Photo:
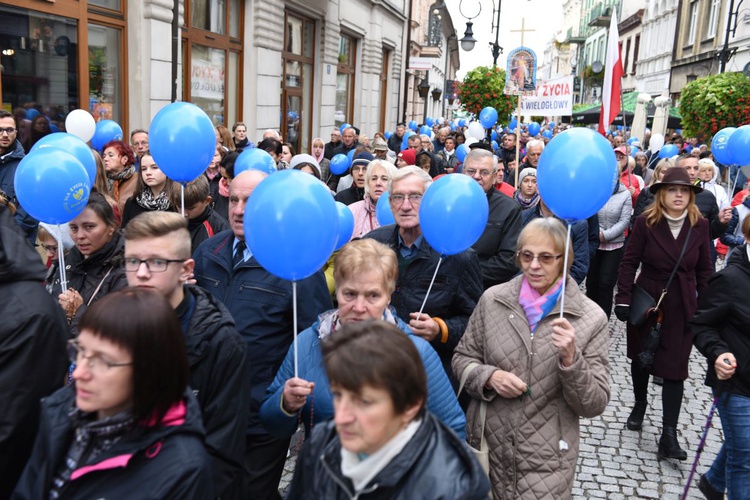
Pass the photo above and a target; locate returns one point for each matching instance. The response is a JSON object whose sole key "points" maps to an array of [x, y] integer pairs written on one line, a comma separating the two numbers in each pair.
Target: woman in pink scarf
{"points": [[318, 149], [377, 175]]}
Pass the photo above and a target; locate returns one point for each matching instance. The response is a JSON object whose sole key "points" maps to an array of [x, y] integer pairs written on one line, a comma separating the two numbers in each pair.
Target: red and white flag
{"points": [[612, 91]]}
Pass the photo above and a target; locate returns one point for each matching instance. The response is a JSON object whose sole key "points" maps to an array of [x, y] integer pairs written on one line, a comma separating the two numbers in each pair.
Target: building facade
{"points": [[630, 30], [301, 67], [658, 28]]}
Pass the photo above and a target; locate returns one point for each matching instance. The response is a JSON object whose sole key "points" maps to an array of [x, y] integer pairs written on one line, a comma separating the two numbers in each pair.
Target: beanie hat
{"points": [[306, 159], [528, 171], [408, 156], [363, 158]]}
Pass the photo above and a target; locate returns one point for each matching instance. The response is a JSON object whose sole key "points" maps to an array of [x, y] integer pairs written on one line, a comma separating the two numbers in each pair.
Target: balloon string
{"points": [[734, 185], [182, 198], [565, 272], [294, 309], [419, 316], [61, 259]]}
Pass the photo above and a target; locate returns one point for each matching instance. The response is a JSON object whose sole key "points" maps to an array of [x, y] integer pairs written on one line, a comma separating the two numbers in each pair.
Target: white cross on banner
{"points": [[553, 98]]}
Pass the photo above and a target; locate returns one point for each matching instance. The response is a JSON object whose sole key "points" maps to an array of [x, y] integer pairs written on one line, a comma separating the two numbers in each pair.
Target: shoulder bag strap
{"points": [[674, 271], [482, 404]]}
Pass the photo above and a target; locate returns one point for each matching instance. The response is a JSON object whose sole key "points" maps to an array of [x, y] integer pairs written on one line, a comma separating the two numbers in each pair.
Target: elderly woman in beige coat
{"points": [[536, 372]]}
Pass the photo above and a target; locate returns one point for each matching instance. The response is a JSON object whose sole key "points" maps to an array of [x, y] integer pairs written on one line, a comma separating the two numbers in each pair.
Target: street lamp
{"points": [[436, 92], [468, 41], [424, 89]]}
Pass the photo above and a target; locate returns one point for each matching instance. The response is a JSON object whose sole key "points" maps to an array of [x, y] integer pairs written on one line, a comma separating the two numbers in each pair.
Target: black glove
{"points": [[622, 312]]}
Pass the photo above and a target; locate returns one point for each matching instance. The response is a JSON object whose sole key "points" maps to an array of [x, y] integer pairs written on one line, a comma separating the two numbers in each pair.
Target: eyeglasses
{"points": [[398, 199], [140, 143], [49, 248], [545, 258], [153, 265], [94, 362], [8, 130], [471, 172]]}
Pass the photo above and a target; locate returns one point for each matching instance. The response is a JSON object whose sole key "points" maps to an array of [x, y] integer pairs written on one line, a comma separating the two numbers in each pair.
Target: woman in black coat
{"points": [[655, 244], [721, 334]]}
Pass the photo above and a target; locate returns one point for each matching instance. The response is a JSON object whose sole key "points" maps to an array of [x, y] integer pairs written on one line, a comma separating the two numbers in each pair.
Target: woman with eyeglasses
{"points": [[93, 265], [537, 373], [128, 426]]}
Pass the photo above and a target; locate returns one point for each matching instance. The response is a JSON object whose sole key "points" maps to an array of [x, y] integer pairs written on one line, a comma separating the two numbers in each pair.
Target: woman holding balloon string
{"points": [[365, 276], [377, 176], [93, 265], [119, 164], [536, 370], [155, 192]]}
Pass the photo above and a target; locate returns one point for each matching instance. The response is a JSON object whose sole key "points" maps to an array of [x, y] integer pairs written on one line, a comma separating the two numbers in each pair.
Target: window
{"points": [[636, 48], [211, 58], [713, 18], [693, 22], [296, 86], [105, 76], [626, 56], [345, 80]]}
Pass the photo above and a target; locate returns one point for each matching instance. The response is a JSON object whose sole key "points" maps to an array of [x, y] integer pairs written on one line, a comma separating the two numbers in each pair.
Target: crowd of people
{"points": [[161, 363]]}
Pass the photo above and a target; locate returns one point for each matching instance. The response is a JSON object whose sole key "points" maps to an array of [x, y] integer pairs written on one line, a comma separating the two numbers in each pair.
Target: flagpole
{"points": [[622, 107]]}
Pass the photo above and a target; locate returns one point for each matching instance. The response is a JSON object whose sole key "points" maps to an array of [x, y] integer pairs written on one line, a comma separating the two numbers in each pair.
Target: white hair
{"points": [[534, 143], [389, 168], [405, 172]]}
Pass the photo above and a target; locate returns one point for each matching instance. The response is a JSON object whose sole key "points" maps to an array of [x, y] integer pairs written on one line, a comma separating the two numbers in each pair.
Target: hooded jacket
{"points": [[32, 348], [8, 166], [441, 400], [161, 461], [720, 323], [733, 236], [434, 464], [216, 354], [722, 199]]}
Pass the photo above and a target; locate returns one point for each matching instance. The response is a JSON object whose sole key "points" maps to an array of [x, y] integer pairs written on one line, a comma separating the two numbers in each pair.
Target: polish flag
{"points": [[612, 91]]}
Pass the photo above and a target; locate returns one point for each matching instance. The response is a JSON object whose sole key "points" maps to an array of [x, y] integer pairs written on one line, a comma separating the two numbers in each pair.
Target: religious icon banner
{"points": [[520, 76]]}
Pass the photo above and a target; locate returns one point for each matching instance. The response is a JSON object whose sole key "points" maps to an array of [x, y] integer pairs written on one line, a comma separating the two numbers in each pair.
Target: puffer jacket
{"points": [[216, 353], [365, 217], [579, 236], [8, 166], [165, 461], [435, 464], [33, 332], [722, 199], [441, 400], [457, 288], [614, 217], [261, 305], [533, 441], [733, 236]]}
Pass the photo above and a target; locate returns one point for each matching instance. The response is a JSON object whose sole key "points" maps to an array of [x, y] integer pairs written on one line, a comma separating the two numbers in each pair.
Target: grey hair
{"points": [[390, 170], [405, 172], [533, 143], [477, 155]]}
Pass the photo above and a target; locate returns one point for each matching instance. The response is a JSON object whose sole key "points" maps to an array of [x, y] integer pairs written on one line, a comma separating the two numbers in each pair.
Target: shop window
{"points": [[105, 74], [296, 86], [345, 80]]}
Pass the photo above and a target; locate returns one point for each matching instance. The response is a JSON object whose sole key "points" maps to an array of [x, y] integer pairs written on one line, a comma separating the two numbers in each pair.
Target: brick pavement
{"points": [[616, 463]]}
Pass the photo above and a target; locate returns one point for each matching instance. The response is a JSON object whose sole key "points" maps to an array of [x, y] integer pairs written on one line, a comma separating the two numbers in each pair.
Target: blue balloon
{"points": [[668, 151], [679, 131], [534, 129], [53, 128], [346, 225], [488, 117], [462, 123], [388, 134], [292, 224], [632, 140], [572, 159], [383, 210], [107, 130], [739, 145], [254, 159], [547, 133], [413, 126], [453, 126], [32, 113], [350, 156], [494, 135], [461, 151], [405, 140], [344, 127], [52, 185], [720, 146], [424, 129], [494, 145], [73, 145], [429, 121], [181, 141], [619, 127], [513, 124], [340, 164], [453, 213], [634, 151], [551, 125]]}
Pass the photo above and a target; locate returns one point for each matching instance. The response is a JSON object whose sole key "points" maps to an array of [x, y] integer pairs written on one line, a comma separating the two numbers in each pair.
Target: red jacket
{"points": [[629, 180]]}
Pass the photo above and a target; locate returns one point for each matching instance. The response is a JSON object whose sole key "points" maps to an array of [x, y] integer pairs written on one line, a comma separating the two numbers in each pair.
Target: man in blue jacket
{"points": [[11, 154], [261, 304]]}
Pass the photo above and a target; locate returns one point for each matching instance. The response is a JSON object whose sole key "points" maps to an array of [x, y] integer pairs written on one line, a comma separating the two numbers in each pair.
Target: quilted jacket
{"points": [[533, 440]]}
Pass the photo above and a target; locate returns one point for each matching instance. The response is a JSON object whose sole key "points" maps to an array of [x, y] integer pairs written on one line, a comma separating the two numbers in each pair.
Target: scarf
{"points": [[114, 181], [362, 469], [537, 306], [322, 155], [212, 172], [329, 321], [92, 439], [224, 188], [526, 202], [160, 203]]}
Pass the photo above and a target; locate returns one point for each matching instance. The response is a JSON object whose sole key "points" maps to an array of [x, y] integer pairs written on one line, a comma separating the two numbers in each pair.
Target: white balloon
{"points": [[476, 130], [81, 124], [440, 120], [656, 142]]}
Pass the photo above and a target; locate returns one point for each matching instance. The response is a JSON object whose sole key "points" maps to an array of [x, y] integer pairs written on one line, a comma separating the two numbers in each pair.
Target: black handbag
{"points": [[641, 302]]}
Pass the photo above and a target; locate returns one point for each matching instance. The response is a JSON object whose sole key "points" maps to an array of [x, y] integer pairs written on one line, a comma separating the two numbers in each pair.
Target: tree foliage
{"points": [[710, 104], [482, 87]]}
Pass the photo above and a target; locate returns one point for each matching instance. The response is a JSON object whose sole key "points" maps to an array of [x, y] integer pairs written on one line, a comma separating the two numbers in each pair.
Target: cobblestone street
{"points": [[616, 463]]}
